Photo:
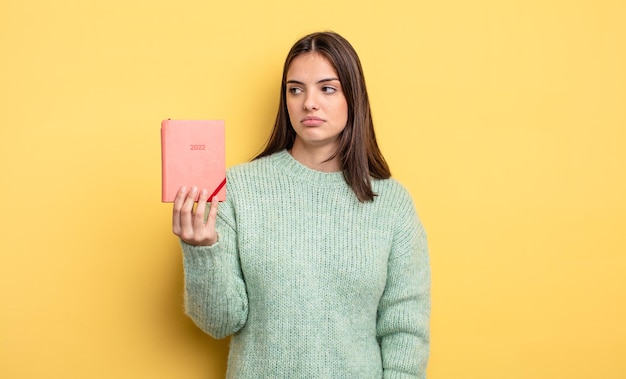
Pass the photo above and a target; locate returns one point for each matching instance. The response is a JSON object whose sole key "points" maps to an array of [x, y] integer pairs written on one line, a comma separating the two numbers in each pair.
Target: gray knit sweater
{"points": [[310, 282]]}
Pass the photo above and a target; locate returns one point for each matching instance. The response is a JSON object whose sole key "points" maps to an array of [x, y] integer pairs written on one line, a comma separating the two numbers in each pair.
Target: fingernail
{"points": [[215, 198], [194, 189], [203, 193]]}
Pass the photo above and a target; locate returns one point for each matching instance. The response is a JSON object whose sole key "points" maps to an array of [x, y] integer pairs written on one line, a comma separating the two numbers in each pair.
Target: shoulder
{"points": [[392, 192], [249, 179], [396, 200], [259, 166]]}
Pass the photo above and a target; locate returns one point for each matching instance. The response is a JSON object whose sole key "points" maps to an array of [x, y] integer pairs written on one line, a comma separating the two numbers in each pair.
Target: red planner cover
{"points": [[193, 154]]}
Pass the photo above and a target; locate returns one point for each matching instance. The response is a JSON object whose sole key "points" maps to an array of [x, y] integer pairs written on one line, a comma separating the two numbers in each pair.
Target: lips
{"points": [[312, 121]]}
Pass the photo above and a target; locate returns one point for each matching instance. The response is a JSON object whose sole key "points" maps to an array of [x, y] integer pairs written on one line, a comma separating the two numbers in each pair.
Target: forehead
{"points": [[311, 64]]}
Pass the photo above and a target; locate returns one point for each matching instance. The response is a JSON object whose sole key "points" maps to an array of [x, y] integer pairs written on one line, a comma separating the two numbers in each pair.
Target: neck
{"points": [[316, 158]]}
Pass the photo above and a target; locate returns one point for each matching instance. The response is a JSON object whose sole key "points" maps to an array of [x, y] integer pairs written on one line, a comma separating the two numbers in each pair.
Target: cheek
{"points": [[291, 110], [344, 113], [293, 104]]}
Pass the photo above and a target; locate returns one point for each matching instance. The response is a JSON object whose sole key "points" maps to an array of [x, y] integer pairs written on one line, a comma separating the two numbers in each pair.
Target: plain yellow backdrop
{"points": [[506, 120]]}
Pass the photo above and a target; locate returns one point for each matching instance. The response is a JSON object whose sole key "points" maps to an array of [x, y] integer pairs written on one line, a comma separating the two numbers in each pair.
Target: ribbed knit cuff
{"points": [[200, 257], [391, 374]]}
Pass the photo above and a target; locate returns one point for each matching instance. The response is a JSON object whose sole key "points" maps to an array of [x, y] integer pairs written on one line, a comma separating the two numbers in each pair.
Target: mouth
{"points": [[312, 121]]}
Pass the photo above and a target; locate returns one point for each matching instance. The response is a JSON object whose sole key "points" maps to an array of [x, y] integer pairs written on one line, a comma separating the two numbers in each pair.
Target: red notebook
{"points": [[193, 154]]}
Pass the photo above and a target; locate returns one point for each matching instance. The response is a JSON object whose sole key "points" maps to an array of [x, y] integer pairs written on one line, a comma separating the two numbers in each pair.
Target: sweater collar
{"points": [[290, 166]]}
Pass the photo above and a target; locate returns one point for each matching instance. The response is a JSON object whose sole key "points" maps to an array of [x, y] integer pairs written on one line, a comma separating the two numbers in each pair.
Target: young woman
{"points": [[316, 263]]}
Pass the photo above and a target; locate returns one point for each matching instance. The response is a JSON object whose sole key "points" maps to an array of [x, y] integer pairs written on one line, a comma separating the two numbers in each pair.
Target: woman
{"points": [[316, 263]]}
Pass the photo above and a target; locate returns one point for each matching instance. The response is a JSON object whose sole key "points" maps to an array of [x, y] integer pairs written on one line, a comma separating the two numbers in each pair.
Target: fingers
{"points": [[189, 224], [198, 216], [212, 215], [186, 215], [176, 214]]}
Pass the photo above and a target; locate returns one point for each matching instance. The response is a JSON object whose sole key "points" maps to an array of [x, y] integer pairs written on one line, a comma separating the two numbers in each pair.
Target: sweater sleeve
{"points": [[403, 325], [215, 292]]}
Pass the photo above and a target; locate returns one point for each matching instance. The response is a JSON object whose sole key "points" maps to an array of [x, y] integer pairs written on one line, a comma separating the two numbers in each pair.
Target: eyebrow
{"points": [[318, 82]]}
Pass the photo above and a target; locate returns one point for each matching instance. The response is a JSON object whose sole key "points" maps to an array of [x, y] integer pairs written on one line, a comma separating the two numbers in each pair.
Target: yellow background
{"points": [[505, 119]]}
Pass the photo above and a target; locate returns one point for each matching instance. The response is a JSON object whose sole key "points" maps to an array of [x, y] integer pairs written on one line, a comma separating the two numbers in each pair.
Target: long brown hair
{"points": [[358, 151]]}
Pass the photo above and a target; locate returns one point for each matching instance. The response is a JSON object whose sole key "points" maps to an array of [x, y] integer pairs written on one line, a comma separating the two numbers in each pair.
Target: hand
{"points": [[189, 224]]}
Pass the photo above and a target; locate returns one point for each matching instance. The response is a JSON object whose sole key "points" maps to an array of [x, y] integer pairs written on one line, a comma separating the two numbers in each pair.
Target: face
{"points": [[317, 106]]}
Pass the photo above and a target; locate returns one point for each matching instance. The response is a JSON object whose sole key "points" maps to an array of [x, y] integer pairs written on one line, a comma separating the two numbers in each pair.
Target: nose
{"points": [[310, 102]]}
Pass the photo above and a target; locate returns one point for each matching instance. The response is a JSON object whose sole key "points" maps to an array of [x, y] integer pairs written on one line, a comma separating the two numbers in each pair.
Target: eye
{"points": [[294, 90], [329, 89]]}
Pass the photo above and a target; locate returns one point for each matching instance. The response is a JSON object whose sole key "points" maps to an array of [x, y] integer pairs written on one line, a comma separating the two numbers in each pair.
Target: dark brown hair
{"points": [[358, 150]]}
